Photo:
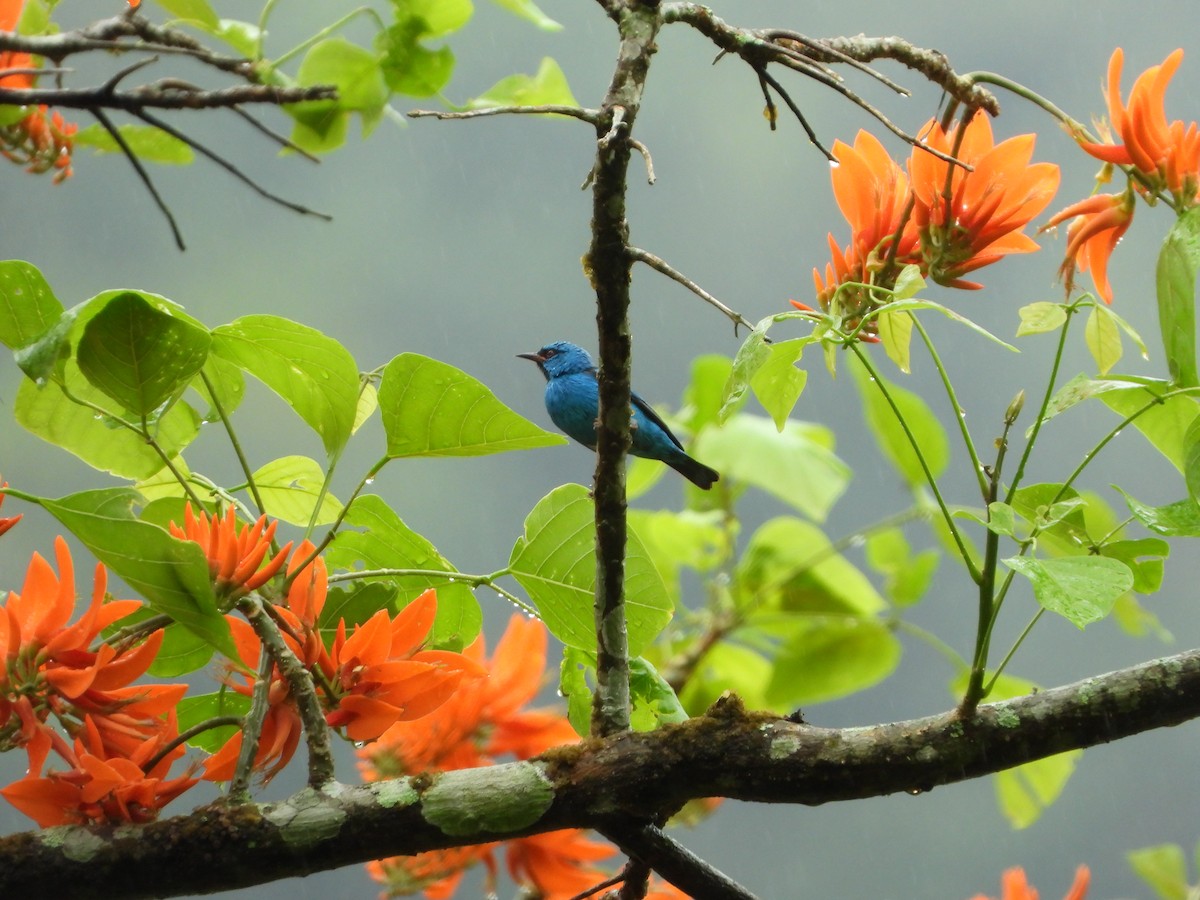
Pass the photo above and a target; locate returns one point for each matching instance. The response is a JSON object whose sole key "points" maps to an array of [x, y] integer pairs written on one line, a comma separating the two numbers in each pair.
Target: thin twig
{"points": [[791, 104], [591, 116], [645, 151], [116, 135], [228, 166], [674, 274], [676, 863]]}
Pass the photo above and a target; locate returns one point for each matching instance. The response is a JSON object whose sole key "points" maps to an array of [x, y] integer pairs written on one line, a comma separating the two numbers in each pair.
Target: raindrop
{"points": [[369, 481], [834, 164]]}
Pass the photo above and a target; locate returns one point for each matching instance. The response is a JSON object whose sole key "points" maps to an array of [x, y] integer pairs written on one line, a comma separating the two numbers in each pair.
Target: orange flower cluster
{"points": [[945, 219], [1015, 886], [1163, 157], [49, 671], [41, 140], [482, 722], [233, 558], [376, 675]]}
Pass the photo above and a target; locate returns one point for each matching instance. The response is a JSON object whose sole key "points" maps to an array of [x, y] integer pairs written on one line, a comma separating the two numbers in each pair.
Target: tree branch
{"points": [[726, 752], [608, 266]]}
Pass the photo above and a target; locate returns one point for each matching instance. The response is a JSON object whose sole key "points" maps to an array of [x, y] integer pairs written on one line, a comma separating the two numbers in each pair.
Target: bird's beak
{"points": [[536, 357]]}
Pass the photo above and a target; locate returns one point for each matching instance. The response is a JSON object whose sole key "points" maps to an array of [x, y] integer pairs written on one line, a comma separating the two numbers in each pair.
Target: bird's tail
{"points": [[696, 472]]}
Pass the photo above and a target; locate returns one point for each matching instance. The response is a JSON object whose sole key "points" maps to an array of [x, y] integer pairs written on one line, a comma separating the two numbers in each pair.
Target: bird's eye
{"points": [[548, 353]]}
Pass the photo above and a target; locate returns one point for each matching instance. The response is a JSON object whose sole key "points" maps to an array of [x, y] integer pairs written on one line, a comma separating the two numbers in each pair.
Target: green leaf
{"points": [[358, 603], [796, 465], [385, 542], [357, 74], [219, 383], [1081, 589], [138, 355], [1164, 424], [654, 701], [909, 283], [192, 10], [526, 9], [410, 68], [1144, 557], [895, 330], [1191, 459], [730, 666], [182, 651], [778, 382], [1137, 621], [289, 487], [1178, 519], [430, 408], [244, 37], [555, 562], [172, 575], [576, 666], [1103, 339], [1001, 519], [824, 658], [547, 88], [1040, 318], [697, 540], [1175, 282], [28, 308], [433, 18], [751, 356], [314, 374], [145, 141], [48, 413], [368, 402], [890, 435], [704, 396], [790, 565], [906, 576], [1164, 868], [197, 708], [1081, 388], [1027, 791], [912, 305]]}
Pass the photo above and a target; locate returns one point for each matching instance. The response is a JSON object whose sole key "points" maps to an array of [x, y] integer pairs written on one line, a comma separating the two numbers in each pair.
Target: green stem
{"points": [[959, 413], [1008, 656], [929, 477], [328, 30], [364, 380], [987, 584], [1041, 416], [475, 581], [234, 442], [952, 656], [252, 725], [1128, 420], [184, 736], [297, 568]]}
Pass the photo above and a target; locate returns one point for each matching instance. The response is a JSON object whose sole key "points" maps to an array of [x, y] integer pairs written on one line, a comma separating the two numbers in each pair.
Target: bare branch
{"points": [[726, 752], [674, 274], [116, 135], [591, 116]]}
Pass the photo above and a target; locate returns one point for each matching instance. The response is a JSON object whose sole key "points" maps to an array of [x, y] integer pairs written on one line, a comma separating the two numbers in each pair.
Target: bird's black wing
{"points": [[647, 411], [654, 417]]}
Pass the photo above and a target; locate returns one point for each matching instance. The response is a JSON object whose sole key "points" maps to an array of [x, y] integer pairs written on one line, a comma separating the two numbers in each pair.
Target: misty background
{"points": [[462, 241]]}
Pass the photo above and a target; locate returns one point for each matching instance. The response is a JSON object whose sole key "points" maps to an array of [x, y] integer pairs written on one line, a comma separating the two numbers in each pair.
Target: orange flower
{"points": [[484, 720], [101, 788], [1099, 223], [872, 193], [49, 668], [971, 219], [10, 521], [380, 675], [42, 140], [1015, 886], [233, 558], [282, 728], [1166, 153]]}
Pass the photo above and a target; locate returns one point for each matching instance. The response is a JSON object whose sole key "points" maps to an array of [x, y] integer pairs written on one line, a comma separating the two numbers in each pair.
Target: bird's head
{"points": [[560, 358]]}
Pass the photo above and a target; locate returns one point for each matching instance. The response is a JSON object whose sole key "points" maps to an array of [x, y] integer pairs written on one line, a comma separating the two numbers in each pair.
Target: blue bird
{"points": [[573, 401]]}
